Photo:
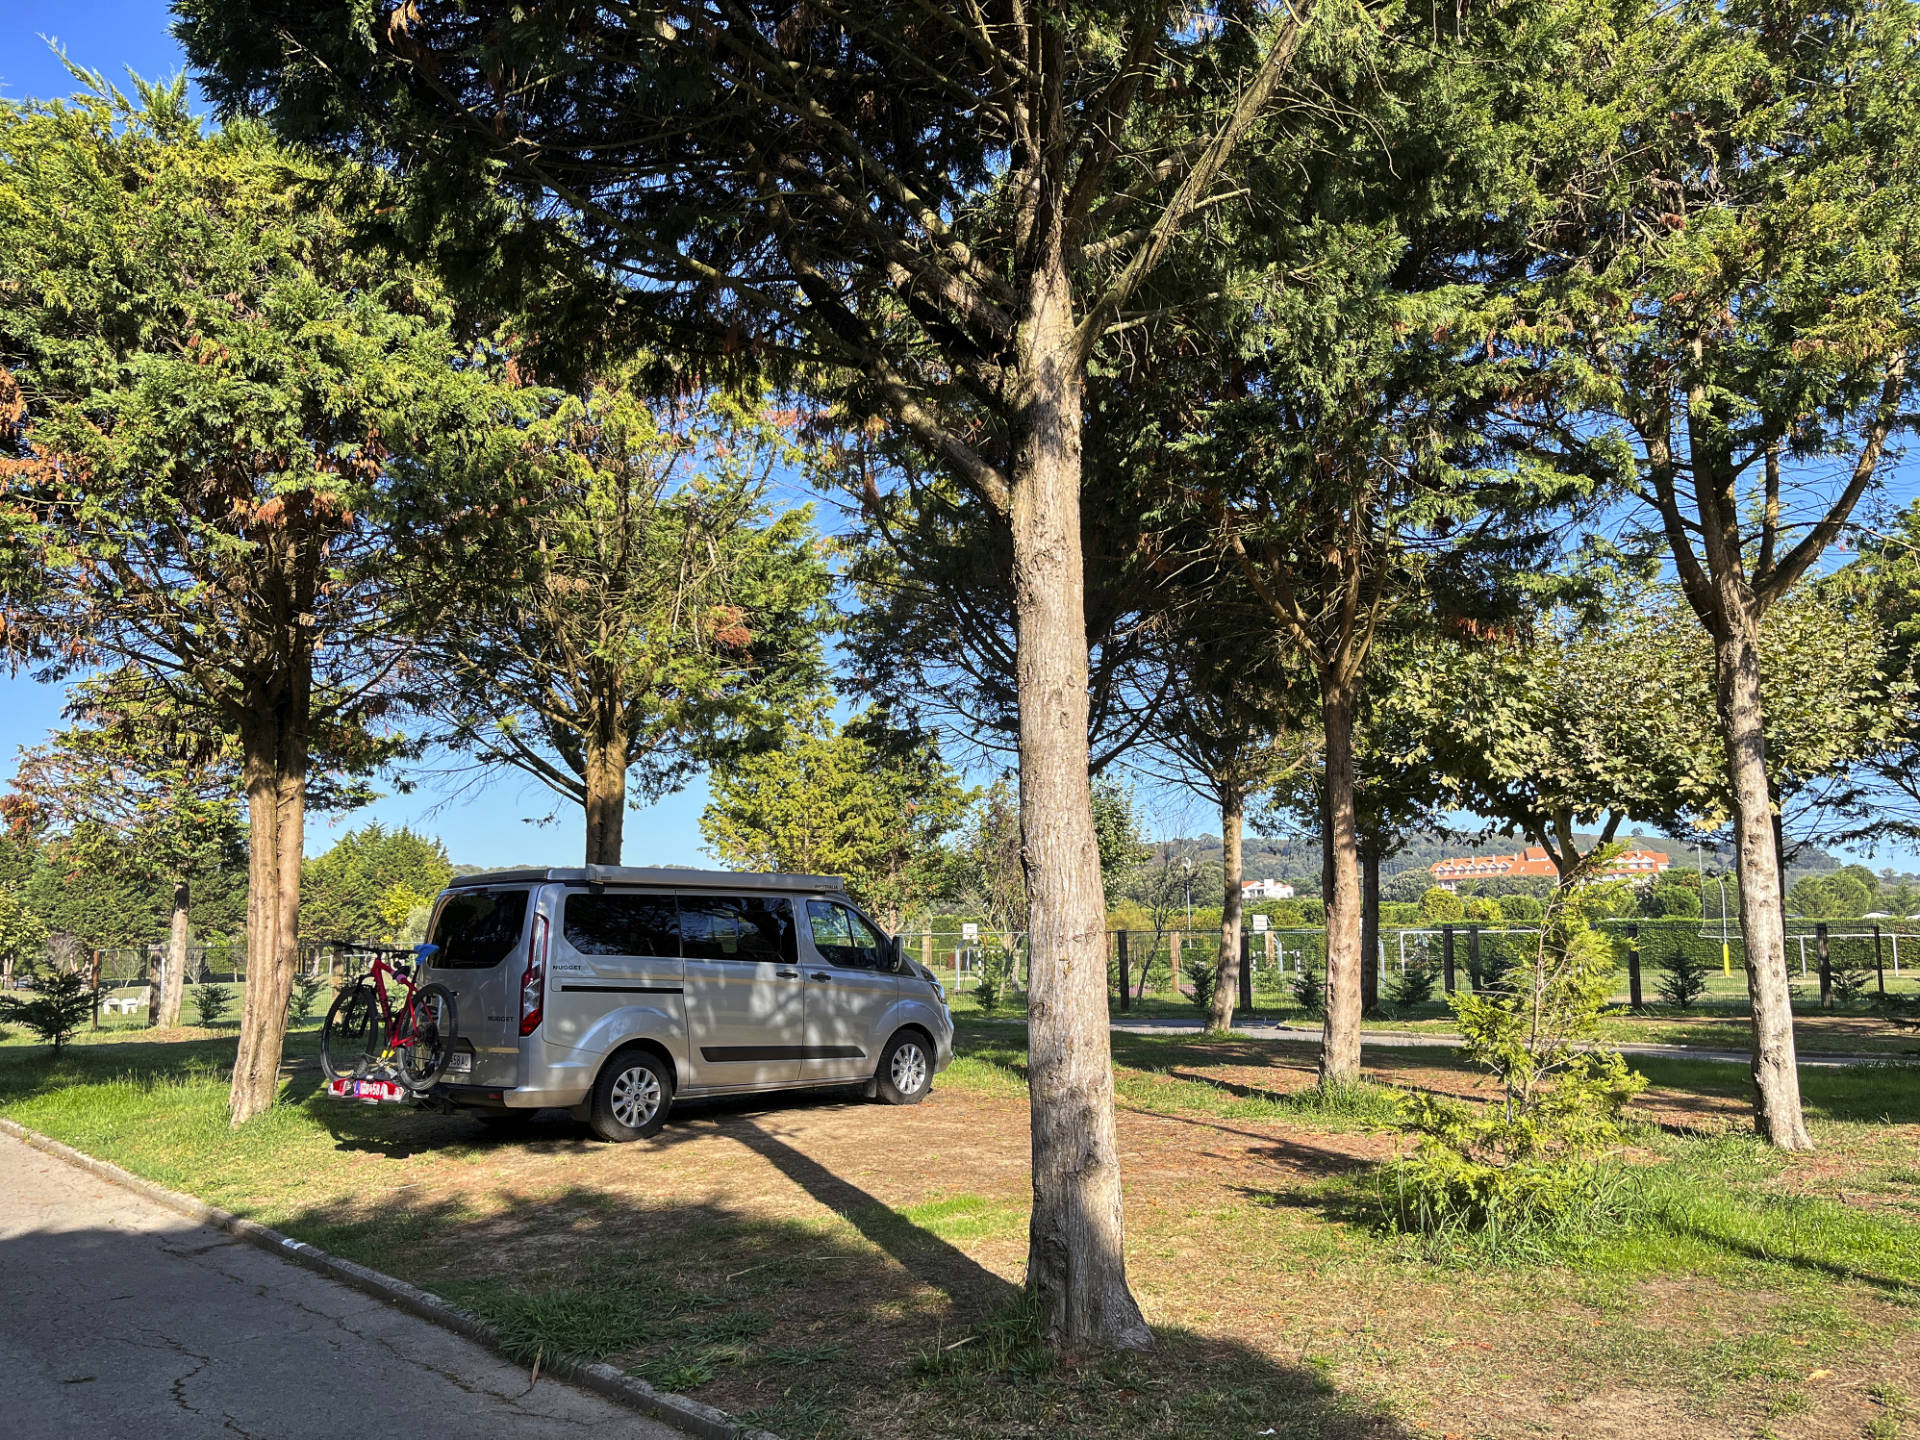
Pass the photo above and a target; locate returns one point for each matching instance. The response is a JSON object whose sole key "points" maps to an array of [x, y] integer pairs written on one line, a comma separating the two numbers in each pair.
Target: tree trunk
{"points": [[1340, 1035], [173, 973], [274, 770], [606, 786], [1776, 1076], [1076, 1267], [1369, 933], [1226, 981]]}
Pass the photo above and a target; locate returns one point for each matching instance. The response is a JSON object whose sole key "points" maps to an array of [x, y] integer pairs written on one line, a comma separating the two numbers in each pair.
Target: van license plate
{"points": [[460, 1063]]}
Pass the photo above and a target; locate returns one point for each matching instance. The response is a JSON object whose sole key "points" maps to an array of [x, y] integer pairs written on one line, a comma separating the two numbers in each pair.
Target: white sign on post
{"points": [[969, 930], [1259, 924]]}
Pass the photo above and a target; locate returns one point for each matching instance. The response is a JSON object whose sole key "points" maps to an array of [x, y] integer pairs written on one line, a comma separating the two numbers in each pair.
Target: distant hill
{"points": [[1296, 858]]}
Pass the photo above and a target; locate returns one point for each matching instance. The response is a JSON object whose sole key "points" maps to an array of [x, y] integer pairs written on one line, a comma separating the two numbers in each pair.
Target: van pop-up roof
{"points": [[662, 876]]}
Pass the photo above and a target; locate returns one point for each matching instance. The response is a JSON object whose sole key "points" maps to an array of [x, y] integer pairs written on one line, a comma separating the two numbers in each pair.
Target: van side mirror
{"points": [[896, 953]]}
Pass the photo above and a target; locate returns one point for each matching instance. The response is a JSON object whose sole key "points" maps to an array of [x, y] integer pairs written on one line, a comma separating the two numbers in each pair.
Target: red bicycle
{"points": [[405, 1034]]}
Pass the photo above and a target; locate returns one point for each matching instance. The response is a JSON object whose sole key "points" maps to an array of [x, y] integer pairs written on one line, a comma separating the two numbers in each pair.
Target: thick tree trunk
{"points": [[1776, 1076], [1226, 975], [274, 770], [1340, 1035], [606, 786], [1369, 933], [173, 972], [1076, 1267]]}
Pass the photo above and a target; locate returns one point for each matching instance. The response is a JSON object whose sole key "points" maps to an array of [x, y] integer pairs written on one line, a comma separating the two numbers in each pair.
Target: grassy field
{"points": [[828, 1267], [1718, 1021]]}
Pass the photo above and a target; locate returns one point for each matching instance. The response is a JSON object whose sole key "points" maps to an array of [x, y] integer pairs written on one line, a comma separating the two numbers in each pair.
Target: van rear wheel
{"points": [[631, 1098], [906, 1069]]}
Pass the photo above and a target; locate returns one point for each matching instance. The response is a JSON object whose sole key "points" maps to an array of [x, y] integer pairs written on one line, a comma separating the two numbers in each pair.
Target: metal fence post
{"points": [[1246, 970], [1474, 968], [1826, 964], [1126, 991], [1879, 964], [1446, 952], [1633, 965], [1173, 959]]}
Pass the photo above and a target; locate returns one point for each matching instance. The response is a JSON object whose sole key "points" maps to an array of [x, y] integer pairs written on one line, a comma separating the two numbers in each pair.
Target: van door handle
{"points": [[820, 975], [788, 974]]}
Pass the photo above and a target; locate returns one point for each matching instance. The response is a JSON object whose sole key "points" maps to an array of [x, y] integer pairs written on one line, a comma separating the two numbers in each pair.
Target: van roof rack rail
{"points": [[672, 876]]}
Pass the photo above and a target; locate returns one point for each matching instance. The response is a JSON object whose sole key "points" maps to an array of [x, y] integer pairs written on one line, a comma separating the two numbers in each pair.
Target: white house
{"points": [[1265, 890]]}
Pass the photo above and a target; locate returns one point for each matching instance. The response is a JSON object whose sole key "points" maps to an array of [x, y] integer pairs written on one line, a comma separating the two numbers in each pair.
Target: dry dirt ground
{"points": [[826, 1265]]}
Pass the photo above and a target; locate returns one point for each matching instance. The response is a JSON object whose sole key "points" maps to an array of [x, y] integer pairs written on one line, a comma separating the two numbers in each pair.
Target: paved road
{"points": [[1402, 1039], [120, 1317]]}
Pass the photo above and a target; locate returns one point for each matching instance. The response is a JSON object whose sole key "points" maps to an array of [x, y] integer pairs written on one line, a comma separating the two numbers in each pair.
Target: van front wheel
{"points": [[631, 1098], [906, 1069]]}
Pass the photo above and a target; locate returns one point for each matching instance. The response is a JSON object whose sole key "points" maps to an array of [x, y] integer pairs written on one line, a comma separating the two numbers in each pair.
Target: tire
{"points": [[905, 1074], [421, 1058], [352, 1037], [631, 1098]]}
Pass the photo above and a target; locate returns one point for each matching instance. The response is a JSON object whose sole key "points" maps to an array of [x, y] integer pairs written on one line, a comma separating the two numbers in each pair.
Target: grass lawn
{"points": [[828, 1267], [1718, 1021]]}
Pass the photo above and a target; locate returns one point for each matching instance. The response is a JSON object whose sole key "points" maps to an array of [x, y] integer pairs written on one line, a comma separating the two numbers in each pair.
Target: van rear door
{"points": [[480, 935]]}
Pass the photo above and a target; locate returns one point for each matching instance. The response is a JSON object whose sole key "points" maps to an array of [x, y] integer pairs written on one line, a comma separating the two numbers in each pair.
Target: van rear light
{"points": [[533, 983]]}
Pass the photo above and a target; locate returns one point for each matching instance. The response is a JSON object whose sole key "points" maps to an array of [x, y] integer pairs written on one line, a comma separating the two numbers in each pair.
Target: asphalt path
{"points": [[120, 1317]]}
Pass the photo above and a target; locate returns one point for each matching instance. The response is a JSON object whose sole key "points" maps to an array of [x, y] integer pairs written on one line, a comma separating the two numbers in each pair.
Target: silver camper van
{"points": [[612, 991]]}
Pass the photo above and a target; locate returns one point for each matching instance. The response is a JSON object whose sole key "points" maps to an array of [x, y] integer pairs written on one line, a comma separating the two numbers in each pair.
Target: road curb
{"points": [[696, 1419]]}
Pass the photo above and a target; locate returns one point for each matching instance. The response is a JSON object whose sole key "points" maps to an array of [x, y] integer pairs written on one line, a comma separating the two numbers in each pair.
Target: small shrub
{"points": [[60, 1003], [210, 1004], [1442, 907], [996, 974], [1308, 988], [1206, 976], [305, 991], [1524, 1163], [1412, 986], [1683, 976], [1851, 979]]}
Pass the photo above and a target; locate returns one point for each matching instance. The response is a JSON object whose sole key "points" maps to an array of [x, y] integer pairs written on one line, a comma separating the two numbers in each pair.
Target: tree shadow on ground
{"points": [[879, 1327]]}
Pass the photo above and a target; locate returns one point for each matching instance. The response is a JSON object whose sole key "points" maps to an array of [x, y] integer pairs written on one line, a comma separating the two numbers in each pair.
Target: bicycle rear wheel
{"points": [[421, 1052], [352, 1038]]}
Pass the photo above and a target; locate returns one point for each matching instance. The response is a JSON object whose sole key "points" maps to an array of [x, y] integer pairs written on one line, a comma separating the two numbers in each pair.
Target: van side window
{"points": [[738, 927], [621, 924], [843, 938], [477, 929]]}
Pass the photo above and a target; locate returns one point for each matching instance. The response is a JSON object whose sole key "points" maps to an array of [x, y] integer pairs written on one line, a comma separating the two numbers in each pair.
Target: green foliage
{"points": [[1442, 907], [984, 873], [1523, 1160], [1308, 986], [210, 1004], [1671, 901], [1852, 977], [1522, 909], [23, 934], [1413, 986], [1116, 827], [369, 882], [1683, 976], [1843, 895], [996, 974], [1204, 975], [306, 989], [871, 802], [1484, 910], [664, 613], [60, 1003]]}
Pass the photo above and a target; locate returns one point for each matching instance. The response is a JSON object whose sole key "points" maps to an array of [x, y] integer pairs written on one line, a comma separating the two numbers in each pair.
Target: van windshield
{"points": [[477, 929]]}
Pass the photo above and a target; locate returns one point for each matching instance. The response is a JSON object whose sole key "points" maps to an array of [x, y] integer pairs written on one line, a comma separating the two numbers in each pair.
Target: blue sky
{"points": [[492, 825]]}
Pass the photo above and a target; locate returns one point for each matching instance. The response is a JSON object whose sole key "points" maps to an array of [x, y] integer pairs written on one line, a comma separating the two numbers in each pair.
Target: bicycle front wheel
{"points": [[421, 1053], [352, 1038]]}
